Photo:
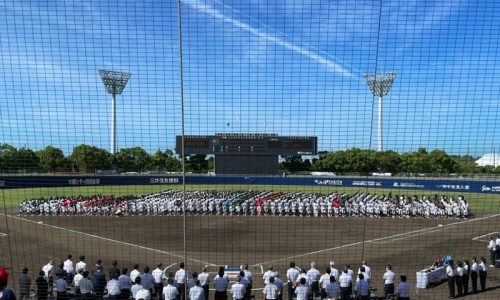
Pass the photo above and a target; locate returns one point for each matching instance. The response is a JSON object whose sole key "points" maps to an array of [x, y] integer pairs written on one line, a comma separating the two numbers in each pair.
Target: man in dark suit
{"points": [[42, 286]]}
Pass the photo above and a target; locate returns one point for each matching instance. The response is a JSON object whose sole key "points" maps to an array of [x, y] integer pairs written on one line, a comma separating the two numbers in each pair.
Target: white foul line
{"points": [[2, 234], [106, 239], [391, 238]]}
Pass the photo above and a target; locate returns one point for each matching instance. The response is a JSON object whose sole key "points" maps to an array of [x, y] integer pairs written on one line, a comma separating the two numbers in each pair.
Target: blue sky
{"points": [[290, 67]]}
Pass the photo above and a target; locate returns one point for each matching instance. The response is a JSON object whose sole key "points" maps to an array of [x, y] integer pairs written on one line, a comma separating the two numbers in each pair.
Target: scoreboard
{"points": [[248, 144]]}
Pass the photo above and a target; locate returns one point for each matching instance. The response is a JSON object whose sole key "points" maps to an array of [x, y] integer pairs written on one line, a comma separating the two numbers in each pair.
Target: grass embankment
{"points": [[478, 203]]}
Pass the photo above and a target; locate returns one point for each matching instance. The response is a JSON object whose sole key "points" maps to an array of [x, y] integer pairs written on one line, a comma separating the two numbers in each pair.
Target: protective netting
{"points": [[250, 133]]}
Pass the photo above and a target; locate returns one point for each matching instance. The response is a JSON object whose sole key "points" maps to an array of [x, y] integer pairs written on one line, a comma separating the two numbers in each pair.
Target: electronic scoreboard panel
{"points": [[248, 144]]}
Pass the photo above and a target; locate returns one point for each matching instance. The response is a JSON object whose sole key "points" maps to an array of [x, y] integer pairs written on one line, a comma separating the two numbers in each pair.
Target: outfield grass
{"points": [[478, 203]]}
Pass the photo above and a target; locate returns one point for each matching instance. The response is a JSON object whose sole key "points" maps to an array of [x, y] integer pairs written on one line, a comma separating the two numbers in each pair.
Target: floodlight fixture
{"points": [[380, 84], [114, 82]]}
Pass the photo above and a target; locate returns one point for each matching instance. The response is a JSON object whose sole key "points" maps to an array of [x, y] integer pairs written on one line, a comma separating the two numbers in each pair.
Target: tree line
{"points": [[90, 159]]}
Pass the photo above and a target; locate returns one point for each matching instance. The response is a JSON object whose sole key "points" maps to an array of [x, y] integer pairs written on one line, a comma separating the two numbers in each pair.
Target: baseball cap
{"points": [[3, 275]]}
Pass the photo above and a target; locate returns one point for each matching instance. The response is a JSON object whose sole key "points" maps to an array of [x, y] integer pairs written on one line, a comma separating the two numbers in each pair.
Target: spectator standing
{"points": [[220, 285], [465, 277], [483, 273], [333, 272], [147, 280], [458, 278], [170, 292], [345, 281], [196, 292], [248, 277], [302, 290], [368, 270], [313, 277], [42, 286], [268, 274], [450, 275], [292, 274], [279, 283], [204, 278], [474, 269], [332, 289], [68, 266], [81, 264], [143, 294], [76, 281], [180, 279], [61, 287], [86, 286], [5, 293], [403, 290], [125, 284], [492, 247], [158, 284], [95, 267], [271, 290], [135, 273], [388, 281], [114, 271], [136, 287], [323, 282], [113, 288], [24, 284], [238, 289], [362, 288], [99, 282]]}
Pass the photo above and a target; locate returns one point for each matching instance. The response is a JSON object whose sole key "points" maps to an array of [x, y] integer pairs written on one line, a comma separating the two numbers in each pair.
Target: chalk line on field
{"points": [[390, 238], [2, 234], [105, 239], [485, 237]]}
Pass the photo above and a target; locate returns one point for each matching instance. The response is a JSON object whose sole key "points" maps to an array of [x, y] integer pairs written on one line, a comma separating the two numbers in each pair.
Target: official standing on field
{"points": [[474, 269], [292, 274], [450, 276]]}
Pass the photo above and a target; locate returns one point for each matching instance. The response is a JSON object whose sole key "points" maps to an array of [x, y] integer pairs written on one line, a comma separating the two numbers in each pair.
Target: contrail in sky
{"points": [[210, 10]]}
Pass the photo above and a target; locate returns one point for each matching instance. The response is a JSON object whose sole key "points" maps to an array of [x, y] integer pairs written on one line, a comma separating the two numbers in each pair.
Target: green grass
{"points": [[478, 203]]}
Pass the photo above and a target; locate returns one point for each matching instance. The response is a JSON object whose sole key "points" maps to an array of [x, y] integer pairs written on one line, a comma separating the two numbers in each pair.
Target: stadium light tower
{"points": [[380, 84], [114, 82]]}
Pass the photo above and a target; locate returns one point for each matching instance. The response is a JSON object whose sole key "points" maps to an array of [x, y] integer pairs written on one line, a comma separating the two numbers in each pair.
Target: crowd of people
{"points": [[253, 203], [81, 281]]}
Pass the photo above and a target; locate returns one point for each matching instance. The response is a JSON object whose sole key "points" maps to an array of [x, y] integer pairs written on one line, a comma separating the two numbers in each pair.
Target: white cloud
{"points": [[323, 60]]}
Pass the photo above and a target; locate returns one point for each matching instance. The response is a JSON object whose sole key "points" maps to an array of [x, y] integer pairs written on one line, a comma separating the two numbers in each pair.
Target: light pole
{"points": [[114, 82], [380, 84]]}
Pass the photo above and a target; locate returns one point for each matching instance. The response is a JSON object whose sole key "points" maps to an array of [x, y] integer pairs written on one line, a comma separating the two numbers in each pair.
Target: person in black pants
{"points": [[458, 278], [482, 273], [42, 286], [473, 274], [465, 277], [450, 275]]}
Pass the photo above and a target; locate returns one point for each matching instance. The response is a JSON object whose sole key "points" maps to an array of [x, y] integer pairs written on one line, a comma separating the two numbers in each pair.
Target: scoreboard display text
{"points": [[248, 144]]}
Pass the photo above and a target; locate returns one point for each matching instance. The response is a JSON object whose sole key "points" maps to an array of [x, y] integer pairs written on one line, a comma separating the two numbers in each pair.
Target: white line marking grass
{"points": [[485, 237], [104, 238], [390, 238]]}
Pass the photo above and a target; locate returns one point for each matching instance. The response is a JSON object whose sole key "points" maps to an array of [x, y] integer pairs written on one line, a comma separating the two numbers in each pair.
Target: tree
{"points": [[7, 157], [415, 162], [197, 163], [89, 158], [294, 164], [51, 159], [440, 162], [133, 159], [26, 160], [165, 161], [387, 161]]}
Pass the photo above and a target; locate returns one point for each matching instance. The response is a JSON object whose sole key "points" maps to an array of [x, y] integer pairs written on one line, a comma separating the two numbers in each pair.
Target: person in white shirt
{"points": [[268, 274], [248, 277], [196, 292], [324, 280], [465, 277], [204, 278], [135, 273], [313, 278], [270, 291], [76, 281], [492, 247], [459, 272], [180, 279], [450, 275], [368, 270], [136, 287], [143, 294], [158, 284], [291, 275], [345, 282], [69, 268], [238, 289], [474, 269], [170, 292], [113, 289], [47, 269], [334, 272], [483, 273], [302, 290], [81, 264], [332, 289], [403, 290], [388, 281]]}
